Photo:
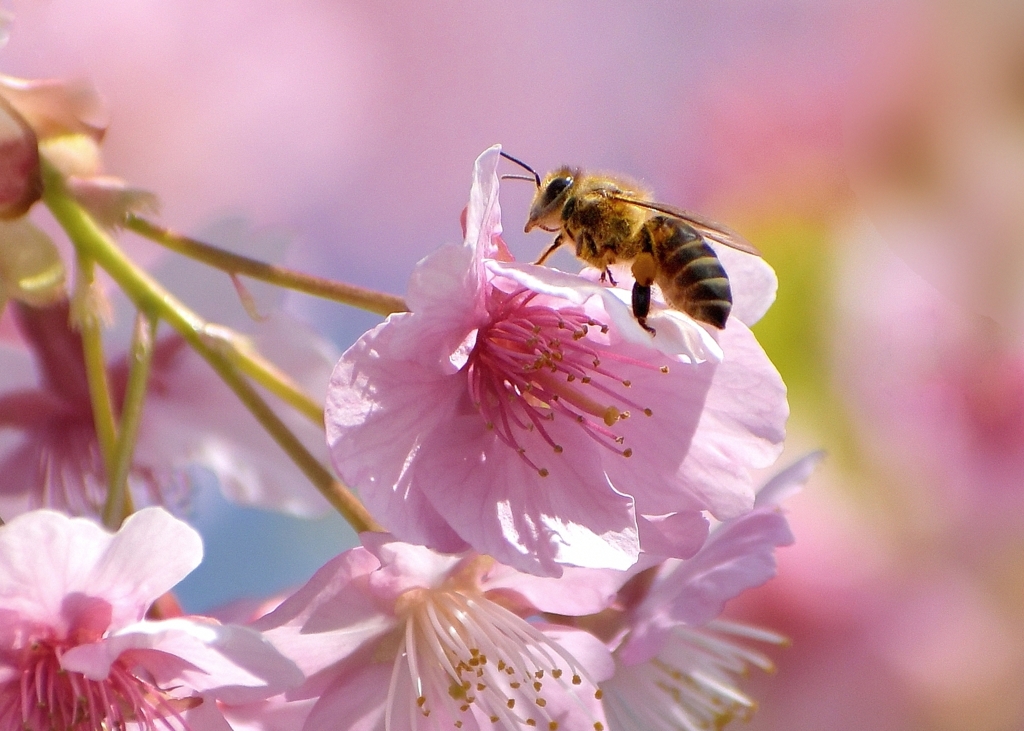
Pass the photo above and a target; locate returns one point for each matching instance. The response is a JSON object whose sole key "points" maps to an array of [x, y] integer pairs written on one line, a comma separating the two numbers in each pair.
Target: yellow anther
{"points": [[611, 415]]}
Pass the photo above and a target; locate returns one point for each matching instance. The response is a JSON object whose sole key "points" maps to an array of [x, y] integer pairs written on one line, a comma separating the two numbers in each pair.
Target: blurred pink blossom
{"points": [[938, 390], [76, 650], [566, 431], [189, 418], [391, 634], [677, 665]]}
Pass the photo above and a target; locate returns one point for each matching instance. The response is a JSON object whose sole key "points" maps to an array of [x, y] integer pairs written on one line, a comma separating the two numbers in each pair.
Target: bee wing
{"points": [[710, 230]]}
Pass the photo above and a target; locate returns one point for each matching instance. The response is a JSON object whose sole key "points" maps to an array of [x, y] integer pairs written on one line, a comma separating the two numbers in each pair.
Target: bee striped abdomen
{"points": [[690, 275]]}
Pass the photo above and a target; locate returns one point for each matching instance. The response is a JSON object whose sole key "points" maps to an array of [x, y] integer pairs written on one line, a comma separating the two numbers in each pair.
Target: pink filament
{"points": [[521, 350], [49, 698]]}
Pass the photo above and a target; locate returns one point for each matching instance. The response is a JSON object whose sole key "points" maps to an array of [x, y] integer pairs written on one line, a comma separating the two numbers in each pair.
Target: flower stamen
{"points": [[523, 372]]}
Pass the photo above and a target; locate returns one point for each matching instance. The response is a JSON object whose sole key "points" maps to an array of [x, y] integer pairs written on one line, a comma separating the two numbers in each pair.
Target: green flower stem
{"points": [[88, 325], [380, 303], [249, 361], [119, 499], [154, 300]]}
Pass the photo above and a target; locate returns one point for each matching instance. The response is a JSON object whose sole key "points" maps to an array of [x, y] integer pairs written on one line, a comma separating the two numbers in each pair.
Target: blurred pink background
{"points": [[873, 151]]}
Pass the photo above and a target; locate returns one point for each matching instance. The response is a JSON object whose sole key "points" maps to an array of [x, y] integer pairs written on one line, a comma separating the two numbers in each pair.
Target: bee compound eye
{"points": [[556, 187]]}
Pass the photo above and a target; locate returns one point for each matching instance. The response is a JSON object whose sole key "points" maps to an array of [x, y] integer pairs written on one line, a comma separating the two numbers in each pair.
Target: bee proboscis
{"points": [[610, 219]]}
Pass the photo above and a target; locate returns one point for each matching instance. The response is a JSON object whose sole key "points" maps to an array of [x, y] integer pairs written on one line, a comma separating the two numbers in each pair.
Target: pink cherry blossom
{"points": [[76, 651], [675, 662], [52, 458], [523, 412], [398, 637]]}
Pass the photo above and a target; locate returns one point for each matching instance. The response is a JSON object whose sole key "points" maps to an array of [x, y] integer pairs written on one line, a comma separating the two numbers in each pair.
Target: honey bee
{"points": [[610, 219]]}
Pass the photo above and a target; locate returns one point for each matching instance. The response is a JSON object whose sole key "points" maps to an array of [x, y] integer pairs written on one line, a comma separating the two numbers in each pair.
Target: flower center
{"points": [[464, 659], [532, 363], [46, 697]]}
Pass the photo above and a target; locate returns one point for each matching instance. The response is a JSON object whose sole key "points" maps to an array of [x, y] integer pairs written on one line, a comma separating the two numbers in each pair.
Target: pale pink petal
{"points": [[753, 283], [676, 535], [738, 556], [788, 482], [46, 556], [741, 428], [231, 663], [110, 199], [483, 215], [146, 558], [578, 519], [443, 298], [359, 697], [336, 598], [20, 178], [273, 714], [376, 417], [404, 566], [54, 108], [575, 593], [591, 653], [207, 716]]}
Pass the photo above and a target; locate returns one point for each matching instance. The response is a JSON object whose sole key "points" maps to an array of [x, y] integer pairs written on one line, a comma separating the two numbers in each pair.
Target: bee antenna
{"points": [[520, 163], [517, 177]]}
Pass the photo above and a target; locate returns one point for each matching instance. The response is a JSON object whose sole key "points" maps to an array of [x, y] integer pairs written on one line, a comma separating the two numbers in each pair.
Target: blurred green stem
{"points": [[380, 303], [119, 499], [150, 297], [88, 322]]}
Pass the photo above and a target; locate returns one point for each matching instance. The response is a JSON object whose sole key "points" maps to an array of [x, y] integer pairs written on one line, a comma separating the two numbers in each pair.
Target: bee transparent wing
{"points": [[710, 230]]}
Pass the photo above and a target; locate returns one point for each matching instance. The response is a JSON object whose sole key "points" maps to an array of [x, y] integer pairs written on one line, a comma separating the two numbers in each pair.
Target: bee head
{"points": [[546, 209]]}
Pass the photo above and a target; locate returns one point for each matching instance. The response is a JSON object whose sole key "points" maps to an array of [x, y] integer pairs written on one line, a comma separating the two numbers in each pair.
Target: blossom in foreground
{"points": [[189, 418], [523, 412], [675, 663], [76, 651], [398, 637]]}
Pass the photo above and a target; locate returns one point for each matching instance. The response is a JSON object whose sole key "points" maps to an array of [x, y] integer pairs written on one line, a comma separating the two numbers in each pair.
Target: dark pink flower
{"points": [[398, 637], [522, 411], [76, 651]]}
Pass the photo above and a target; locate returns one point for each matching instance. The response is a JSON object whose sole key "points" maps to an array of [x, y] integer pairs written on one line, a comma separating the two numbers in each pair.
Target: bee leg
{"points": [[551, 249], [607, 275], [642, 305], [644, 269]]}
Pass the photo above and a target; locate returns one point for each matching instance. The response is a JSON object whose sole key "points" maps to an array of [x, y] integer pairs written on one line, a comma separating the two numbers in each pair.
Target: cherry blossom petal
{"points": [[231, 663], [336, 598], [753, 283], [513, 519], [110, 199], [789, 481], [676, 535], [383, 396], [741, 428], [357, 698], [55, 108], [46, 556], [575, 593]]}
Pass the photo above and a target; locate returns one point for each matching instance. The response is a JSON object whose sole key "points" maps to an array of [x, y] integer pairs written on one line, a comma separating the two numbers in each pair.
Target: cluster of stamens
{"points": [[45, 697], [464, 660], [691, 683], [533, 363]]}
